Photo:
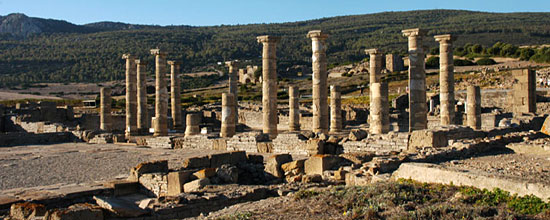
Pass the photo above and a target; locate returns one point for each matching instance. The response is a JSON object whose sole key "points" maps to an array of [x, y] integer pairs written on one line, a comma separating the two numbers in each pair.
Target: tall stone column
{"points": [[473, 111], [192, 122], [335, 109], [319, 81], [143, 120], [418, 110], [228, 115], [233, 89], [269, 84], [175, 94], [379, 108], [131, 96], [294, 108], [161, 94], [375, 65], [105, 123], [446, 79]]}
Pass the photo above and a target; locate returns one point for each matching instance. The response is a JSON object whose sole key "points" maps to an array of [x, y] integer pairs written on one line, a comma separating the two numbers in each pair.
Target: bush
{"points": [[459, 62], [486, 61], [432, 62]]}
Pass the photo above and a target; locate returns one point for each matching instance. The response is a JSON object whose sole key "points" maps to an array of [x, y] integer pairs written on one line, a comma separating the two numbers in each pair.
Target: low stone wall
{"points": [[290, 143], [380, 144], [193, 142], [23, 138], [431, 173]]}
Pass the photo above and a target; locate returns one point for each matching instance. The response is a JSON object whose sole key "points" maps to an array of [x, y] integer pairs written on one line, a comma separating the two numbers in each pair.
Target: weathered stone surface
{"points": [[473, 109], [418, 110], [336, 123], [175, 94], [160, 166], [205, 173], [315, 146], [196, 185], [294, 108], [340, 174], [76, 212], [143, 120], [216, 160], [196, 162], [120, 207], [228, 173], [446, 78], [265, 147], [161, 94], [524, 97], [427, 138], [123, 187], [431, 173], [546, 126], [274, 163], [317, 164], [312, 178], [319, 81], [154, 184], [356, 179], [27, 210], [192, 124], [269, 84], [357, 135], [296, 166], [176, 181]]}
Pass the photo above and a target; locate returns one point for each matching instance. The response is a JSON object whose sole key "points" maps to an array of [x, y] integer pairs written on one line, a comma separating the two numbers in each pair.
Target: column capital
{"points": [[141, 62], [232, 63], [173, 62], [158, 52], [317, 34], [128, 56], [414, 32], [268, 39], [445, 38], [374, 51]]}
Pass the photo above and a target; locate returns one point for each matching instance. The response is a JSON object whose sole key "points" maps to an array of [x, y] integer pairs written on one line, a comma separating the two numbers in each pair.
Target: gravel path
{"points": [[38, 165]]}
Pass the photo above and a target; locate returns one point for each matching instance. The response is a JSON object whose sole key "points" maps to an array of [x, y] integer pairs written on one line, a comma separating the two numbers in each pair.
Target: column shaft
{"points": [[335, 109], [161, 94], [143, 120], [192, 122], [105, 109], [379, 109], [319, 81], [294, 108], [131, 96], [269, 84], [473, 101], [418, 109], [175, 95], [228, 115], [446, 79], [233, 89]]}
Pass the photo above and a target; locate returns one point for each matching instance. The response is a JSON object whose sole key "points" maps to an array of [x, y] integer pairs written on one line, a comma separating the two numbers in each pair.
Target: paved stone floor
{"points": [[73, 163]]}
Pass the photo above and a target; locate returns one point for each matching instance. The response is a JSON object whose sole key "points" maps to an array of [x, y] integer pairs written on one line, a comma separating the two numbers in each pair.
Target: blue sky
{"points": [[216, 12]]}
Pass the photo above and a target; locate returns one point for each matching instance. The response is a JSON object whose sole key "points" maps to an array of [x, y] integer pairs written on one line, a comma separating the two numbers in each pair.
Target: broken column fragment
{"points": [[335, 109], [233, 82], [105, 109], [192, 123], [228, 115], [473, 111], [294, 108]]}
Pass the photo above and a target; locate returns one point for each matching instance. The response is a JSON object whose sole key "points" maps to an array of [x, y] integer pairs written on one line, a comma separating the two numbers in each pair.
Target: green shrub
{"points": [[486, 61], [460, 62], [432, 62]]}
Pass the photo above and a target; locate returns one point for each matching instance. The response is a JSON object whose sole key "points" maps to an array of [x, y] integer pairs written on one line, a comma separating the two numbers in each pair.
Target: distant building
{"points": [[246, 76], [394, 63]]}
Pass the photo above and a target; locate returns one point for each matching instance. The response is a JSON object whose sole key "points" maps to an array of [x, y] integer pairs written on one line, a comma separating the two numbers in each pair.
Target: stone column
{"points": [[319, 81], [375, 65], [473, 111], [379, 109], [105, 109], [294, 108], [418, 110], [192, 122], [143, 120], [269, 84], [175, 94], [228, 115], [233, 89], [161, 94], [131, 96], [446, 79], [335, 109]]}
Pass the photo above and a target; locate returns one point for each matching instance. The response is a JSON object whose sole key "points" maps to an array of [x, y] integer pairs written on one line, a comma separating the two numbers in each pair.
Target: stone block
{"points": [[195, 185], [355, 179], [319, 163], [546, 126], [219, 144], [216, 160], [315, 146], [253, 158], [160, 166], [238, 157], [121, 208], [427, 138], [76, 212], [154, 184], [205, 173], [228, 174], [264, 147], [340, 174], [176, 180], [27, 210], [296, 166], [196, 162], [312, 178], [274, 163], [357, 135], [123, 187]]}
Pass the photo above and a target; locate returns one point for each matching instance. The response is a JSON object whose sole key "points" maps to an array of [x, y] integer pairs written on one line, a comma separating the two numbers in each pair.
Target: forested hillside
{"points": [[96, 55]]}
